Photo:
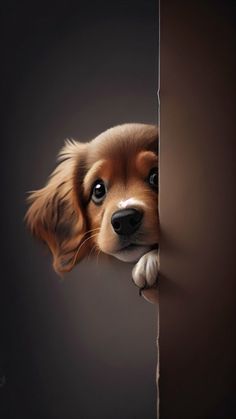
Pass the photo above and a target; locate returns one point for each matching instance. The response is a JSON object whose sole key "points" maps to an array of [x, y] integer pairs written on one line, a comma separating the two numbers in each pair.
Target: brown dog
{"points": [[103, 195]]}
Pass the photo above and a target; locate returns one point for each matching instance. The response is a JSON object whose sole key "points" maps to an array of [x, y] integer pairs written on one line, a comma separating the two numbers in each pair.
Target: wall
{"points": [[197, 210]]}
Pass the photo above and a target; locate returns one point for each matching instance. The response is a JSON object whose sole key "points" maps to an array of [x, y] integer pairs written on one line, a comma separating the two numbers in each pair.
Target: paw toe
{"points": [[146, 270], [151, 272], [139, 277]]}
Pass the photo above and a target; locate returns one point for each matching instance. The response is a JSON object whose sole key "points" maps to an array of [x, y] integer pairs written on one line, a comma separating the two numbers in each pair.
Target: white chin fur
{"points": [[131, 255]]}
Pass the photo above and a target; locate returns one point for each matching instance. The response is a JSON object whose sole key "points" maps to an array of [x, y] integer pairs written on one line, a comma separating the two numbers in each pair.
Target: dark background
{"points": [[85, 347]]}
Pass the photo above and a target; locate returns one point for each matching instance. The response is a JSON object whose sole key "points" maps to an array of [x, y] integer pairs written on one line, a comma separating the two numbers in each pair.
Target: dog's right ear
{"points": [[56, 215]]}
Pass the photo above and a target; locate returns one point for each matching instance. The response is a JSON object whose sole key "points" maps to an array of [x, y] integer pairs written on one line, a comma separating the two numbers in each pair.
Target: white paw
{"points": [[146, 270]]}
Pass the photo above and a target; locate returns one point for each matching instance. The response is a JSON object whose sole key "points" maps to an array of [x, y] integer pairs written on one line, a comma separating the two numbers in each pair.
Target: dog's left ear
{"points": [[56, 215]]}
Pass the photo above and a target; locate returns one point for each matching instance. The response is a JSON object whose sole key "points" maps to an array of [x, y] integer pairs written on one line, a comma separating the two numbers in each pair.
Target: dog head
{"points": [[103, 195]]}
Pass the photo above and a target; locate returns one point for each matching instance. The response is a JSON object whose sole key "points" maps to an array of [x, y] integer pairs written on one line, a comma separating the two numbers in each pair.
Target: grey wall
{"points": [[197, 210], [85, 347]]}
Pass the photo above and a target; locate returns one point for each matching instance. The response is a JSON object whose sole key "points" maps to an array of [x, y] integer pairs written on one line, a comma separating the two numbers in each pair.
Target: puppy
{"points": [[103, 196]]}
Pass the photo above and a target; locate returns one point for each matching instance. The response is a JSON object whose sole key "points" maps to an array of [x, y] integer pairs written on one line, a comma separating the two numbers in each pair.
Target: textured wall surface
{"points": [[197, 210]]}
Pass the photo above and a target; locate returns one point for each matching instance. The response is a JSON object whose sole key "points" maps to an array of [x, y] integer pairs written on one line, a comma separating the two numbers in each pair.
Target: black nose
{"points": [[126, 221]]}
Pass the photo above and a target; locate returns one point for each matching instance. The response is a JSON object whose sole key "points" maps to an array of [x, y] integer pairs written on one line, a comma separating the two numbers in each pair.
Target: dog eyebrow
{"points": [[145, 160], [95, 172]]}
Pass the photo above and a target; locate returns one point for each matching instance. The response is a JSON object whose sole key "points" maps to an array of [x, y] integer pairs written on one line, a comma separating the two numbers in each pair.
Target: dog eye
{"points": [[153, 178], [99, 191]]}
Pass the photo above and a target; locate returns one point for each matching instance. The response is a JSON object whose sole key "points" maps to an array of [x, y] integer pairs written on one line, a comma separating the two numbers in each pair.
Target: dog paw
{"points": [[145, 271]]}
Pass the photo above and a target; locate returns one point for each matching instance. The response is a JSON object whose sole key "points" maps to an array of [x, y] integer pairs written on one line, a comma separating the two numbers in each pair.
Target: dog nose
{"points": [[126, 221]]}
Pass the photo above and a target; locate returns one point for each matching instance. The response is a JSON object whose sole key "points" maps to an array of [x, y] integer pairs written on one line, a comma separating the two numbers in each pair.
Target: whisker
{"points": [[83, 235], [98, 253], [93, 249], [91, 231], [81, 245]]}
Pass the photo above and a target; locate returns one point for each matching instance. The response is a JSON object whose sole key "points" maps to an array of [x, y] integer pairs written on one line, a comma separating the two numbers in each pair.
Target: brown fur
{"points": [[62, 214]]}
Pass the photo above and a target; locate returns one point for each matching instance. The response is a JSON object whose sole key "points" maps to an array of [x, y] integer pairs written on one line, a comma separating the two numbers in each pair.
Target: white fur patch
{"points": [[146, 269], [131, 255], [131, 202]]}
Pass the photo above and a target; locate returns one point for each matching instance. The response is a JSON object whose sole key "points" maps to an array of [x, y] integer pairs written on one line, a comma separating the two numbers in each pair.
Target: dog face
{"points": [[103, 195]]}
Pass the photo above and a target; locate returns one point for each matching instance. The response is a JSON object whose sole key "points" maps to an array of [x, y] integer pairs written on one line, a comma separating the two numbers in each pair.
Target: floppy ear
{"points": [[56, 215]]}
